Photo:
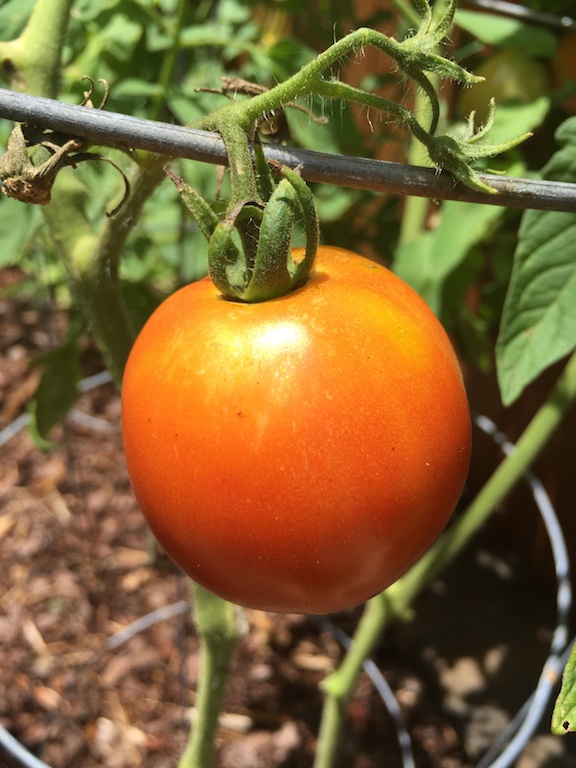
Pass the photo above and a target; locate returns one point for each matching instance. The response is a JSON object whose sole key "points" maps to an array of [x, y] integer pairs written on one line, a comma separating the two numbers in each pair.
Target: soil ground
{"points": [[75, 569]]}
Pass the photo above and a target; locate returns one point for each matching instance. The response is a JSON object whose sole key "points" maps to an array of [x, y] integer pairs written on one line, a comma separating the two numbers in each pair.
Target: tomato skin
{"points": [[298, 454]]}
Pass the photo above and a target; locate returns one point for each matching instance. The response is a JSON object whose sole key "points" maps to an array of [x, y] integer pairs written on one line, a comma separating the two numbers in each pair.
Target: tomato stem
{"points": [[412, 58], [91, 259], [219, 627], [416, 56], [243, 184], [416, 208], [395, 601], [169, 61], [35, 56], [339, 685]]}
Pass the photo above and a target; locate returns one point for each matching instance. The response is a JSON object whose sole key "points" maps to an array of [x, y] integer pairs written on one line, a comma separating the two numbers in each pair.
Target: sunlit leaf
{"points": [[564, 714], [427, 262], [18, 223], [539, 318], [502, 31], [13, 15], [58, 388]]}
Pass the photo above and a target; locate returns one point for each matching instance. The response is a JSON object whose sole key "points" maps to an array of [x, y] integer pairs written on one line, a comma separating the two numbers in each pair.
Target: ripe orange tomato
{"points": [[298, 454]]}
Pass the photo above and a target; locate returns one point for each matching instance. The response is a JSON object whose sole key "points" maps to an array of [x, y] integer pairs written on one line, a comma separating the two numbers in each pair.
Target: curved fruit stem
{"points": [[242, 242], [249, 251], [219, 628], [395, 601], [413, 56]]}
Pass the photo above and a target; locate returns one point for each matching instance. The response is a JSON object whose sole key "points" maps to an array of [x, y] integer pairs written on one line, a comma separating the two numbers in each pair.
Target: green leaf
{"points": [[287, 56], [503, 32], [58, 388], [141, 301], [13, 17], [538, 325], [18, 224], [121, 35], [427, 262], [86, 10], [564, 714], [208, 34], [104, 47], [234, 11], [134, 88]]}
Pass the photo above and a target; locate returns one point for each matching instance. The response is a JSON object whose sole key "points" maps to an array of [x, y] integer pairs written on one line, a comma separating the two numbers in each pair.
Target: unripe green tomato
{"points": [[511, 78]]}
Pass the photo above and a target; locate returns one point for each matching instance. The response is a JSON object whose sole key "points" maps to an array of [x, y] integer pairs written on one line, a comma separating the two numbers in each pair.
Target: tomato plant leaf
{"points": [[564, 714], [13, 16], [503, 32], [538, 325], [88, 10], [287, 56], [427, 262], [133, 88], [58, 388], [18, 224]]}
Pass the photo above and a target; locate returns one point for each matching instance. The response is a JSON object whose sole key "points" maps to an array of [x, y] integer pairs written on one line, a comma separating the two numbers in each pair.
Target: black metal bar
{"points": [[124, 131]]}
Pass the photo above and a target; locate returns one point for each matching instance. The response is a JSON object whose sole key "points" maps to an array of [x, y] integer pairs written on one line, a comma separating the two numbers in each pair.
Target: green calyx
{"points": [[267, 271], [250, 250]]}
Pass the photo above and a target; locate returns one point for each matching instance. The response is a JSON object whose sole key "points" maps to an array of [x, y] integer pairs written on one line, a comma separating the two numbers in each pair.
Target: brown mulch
{"points": [[75, 568]]}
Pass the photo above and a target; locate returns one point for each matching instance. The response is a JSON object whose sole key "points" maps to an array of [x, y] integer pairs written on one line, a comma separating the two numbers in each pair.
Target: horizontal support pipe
{"points": [[124, 131]]}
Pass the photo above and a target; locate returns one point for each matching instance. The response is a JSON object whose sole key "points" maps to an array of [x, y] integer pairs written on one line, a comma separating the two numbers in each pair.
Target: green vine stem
{"points": [[97, 289], [32, 62], [415, 56], [92, 258], [310, 79], [339, 685], [219, 628], [92, 261], [394, 602], [166, 74], [416, 209]]}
